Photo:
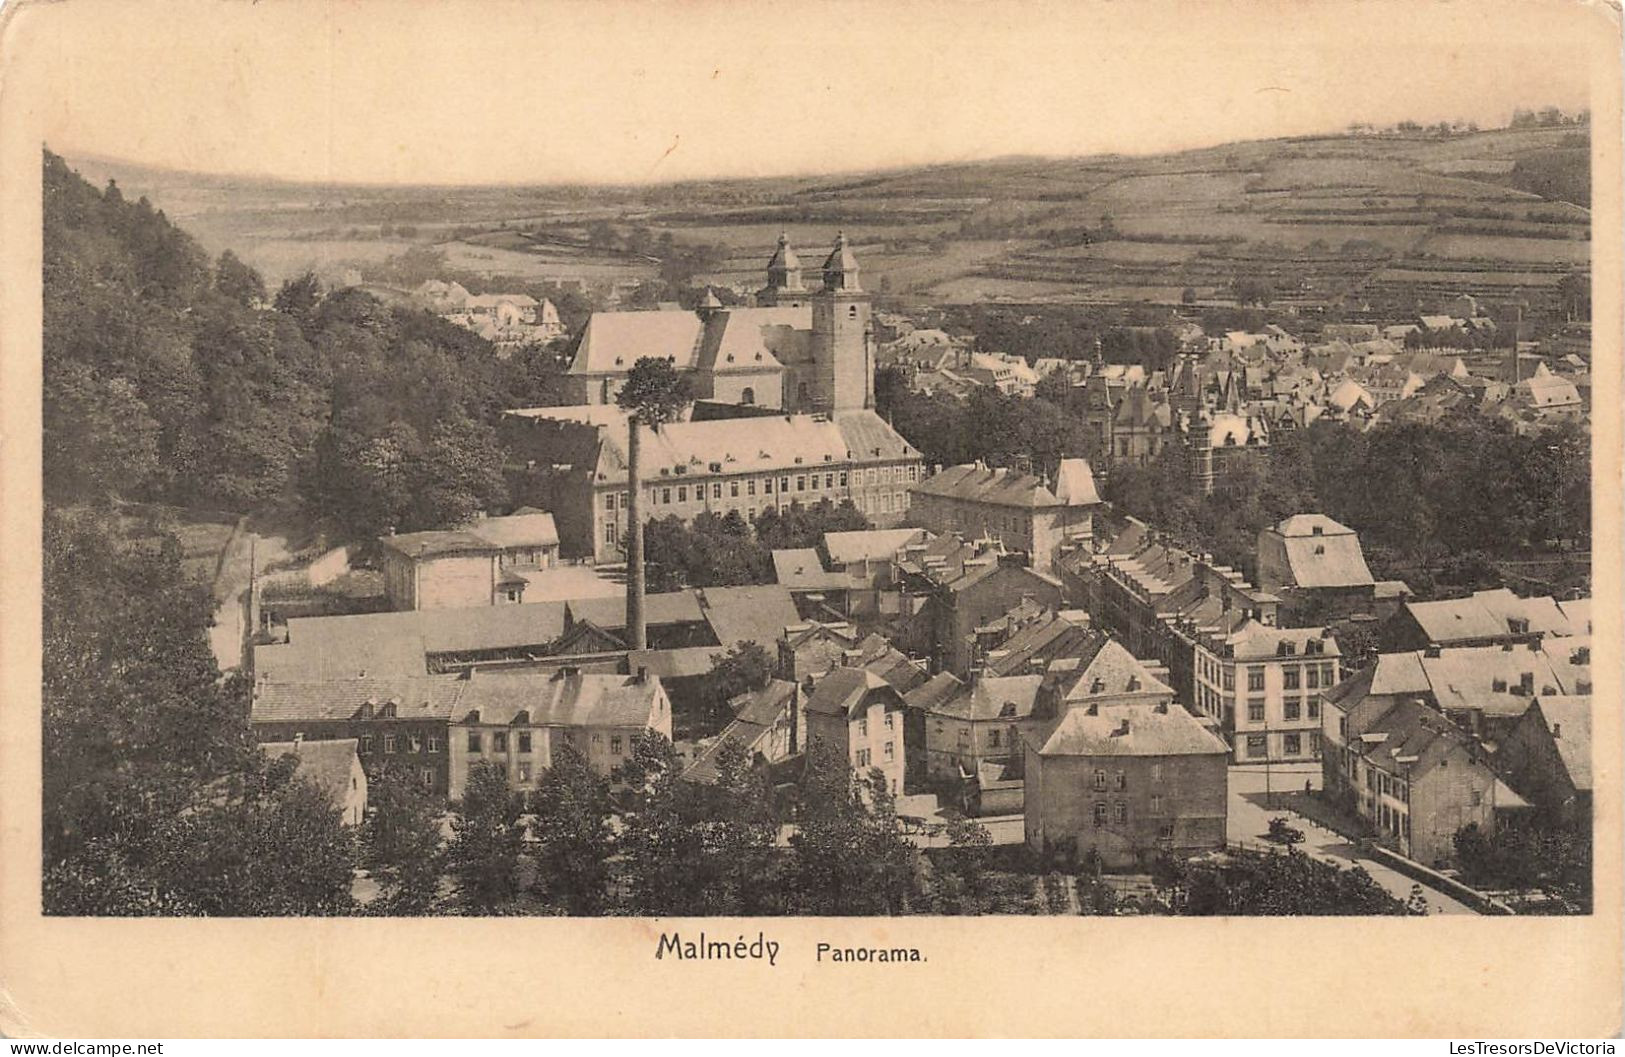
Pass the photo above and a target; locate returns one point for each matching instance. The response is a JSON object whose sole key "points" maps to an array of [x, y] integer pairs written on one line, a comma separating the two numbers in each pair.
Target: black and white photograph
{"points": [[674, 466]]}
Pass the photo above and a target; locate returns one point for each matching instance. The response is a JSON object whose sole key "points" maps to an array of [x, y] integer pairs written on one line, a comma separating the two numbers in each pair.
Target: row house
{"points": [[436, 727]]}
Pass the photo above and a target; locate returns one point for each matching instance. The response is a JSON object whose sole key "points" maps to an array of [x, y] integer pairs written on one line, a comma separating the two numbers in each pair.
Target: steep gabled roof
{"points": [[843, 688]]}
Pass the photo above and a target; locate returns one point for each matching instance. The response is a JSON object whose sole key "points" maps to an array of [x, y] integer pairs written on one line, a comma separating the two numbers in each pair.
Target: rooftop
{"points": [[1131, 730]]}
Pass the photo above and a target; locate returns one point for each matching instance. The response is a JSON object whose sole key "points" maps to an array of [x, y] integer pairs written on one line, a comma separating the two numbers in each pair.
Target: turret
{"points": [[784, 286], [843, 355]]}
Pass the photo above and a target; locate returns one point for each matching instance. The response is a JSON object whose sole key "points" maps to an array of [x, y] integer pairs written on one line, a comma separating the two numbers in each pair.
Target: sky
{"points": [[621, 92]]}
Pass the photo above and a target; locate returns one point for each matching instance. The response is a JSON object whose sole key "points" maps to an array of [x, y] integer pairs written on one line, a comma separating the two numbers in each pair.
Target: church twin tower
{"points": [[842, 371]]}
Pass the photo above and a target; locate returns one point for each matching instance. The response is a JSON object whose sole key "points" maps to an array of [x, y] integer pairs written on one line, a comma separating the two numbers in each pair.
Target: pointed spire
{"points": [[841, 268], [784, 270]]}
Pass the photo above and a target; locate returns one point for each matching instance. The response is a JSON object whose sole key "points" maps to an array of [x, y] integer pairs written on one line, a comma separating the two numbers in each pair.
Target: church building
{"points": [[800, 349]]}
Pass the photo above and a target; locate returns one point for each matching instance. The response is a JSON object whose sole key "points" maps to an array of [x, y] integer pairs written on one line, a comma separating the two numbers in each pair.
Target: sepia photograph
{"points": [[666, 462]]}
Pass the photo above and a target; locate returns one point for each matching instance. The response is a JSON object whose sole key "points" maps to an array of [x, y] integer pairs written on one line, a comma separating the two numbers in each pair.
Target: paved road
{"points": [[228, 637], [1250, 813]]}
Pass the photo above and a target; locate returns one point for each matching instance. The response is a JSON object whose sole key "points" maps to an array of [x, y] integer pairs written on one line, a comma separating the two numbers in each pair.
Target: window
{"points": [[611, 532], [863, 757], [890, 717], [499, 741], [1314, 677], [1229, 682], [1166, 831], [524, 742], [524, 772], [682, 493], [615, 745], [434, 743], [416, 741], [747, 395], [1289, 677], [1100, 812], [364, 743], [1122, 813], [1156, 805], [609, 501], [1293, 707], [426, 776], [891, 750], [784, 485], [665, 495], [1122, 780], [597, 740], [1314, 708], [1294, 745], [474, 741], [863, 728], [801, 482], [1100, 779], [1257, 745], [829, 480], [750, 486], [733, 489], [1255, 679], [1255, 710], [716, 490], [843, 478], [1328, 675], [389, 743], [993, 737], [1156, 773]]}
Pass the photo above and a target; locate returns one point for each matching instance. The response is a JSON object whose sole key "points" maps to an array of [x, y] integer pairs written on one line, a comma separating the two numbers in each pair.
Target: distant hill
{"points": [[1498, 213]]}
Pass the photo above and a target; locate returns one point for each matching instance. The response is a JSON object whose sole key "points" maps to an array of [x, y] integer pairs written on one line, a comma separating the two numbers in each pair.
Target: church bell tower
{"points": [[842, 336]]}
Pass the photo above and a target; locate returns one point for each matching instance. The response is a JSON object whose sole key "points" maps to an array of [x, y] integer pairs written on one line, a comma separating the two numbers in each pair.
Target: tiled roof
{"points": [[328, 765], [669, 607], [1131, 730], [843, 688], [436, 544], [877, 655], [871, 544], [1113, 671], [1487, 614], [798, 569], [996, 486], [1255, 641], [1331, 559], [1057, 637], [748, 614], [431, 697], [1007, 697], [754, 720], [614, 341], [558, 698], [1568, 720], [931, 695], [517, 530]]}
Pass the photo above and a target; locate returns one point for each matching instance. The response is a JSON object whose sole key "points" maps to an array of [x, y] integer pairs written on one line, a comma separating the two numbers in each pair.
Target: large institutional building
{"points": [[800, 349], [806, 354]]}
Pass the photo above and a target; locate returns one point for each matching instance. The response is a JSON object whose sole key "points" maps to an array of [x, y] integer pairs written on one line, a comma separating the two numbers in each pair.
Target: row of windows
{"points": [[1293, 676], [863, 724], [397, 742], [802, 482], [1291, 744], [499, 742], [1380, 782], [1120, 779], [1292, 709], [864, 757], [1118, 813]]}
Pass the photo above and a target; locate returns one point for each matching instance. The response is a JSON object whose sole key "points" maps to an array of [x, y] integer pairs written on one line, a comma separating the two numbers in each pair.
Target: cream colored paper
{"points": [[463, 91]]}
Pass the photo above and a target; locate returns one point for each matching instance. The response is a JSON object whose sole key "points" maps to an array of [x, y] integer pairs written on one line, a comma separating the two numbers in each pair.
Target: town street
{"points": [[1250, 812]]}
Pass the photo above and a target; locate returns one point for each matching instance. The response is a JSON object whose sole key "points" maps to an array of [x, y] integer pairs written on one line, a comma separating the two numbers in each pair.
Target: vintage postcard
{"points": [[712, 519]]}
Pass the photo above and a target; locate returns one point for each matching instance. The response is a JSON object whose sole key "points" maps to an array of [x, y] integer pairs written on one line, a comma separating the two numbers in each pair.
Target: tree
{"points": [[298, 299], [402, 843], [487, 836], [235, 280], [653, 395], [747, 666], [574, 842], [1263, 883], [847, 856]]}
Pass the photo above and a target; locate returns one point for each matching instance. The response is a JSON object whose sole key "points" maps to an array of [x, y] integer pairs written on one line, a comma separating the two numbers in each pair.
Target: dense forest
{"points": [[174, 378]]}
